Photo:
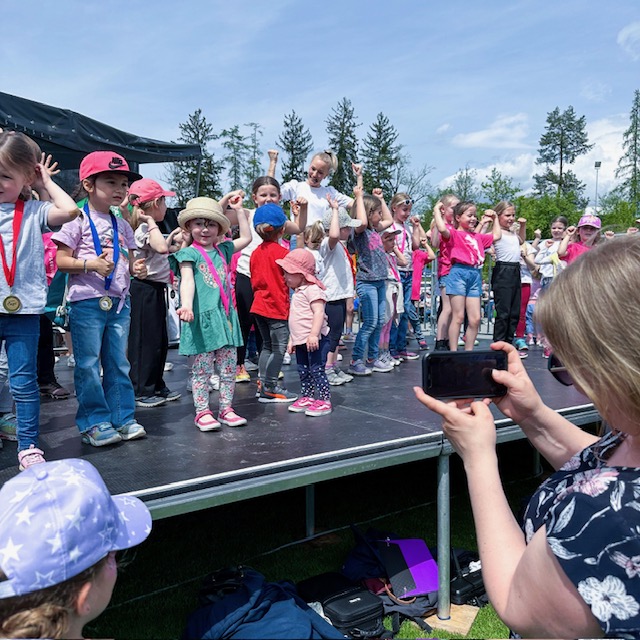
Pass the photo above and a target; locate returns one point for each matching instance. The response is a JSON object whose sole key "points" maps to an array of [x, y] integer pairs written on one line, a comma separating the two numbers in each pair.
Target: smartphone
{"points": [[463, 374]]}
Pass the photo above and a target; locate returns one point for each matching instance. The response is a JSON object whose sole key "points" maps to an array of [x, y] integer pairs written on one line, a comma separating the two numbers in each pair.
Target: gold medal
{"points": [[105, 303], [12, 304]]}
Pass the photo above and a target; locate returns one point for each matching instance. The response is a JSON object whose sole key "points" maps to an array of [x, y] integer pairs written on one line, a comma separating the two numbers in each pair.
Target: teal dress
{"points": [[211, 328]]}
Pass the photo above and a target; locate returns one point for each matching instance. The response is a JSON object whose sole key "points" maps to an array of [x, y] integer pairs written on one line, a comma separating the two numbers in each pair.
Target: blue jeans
{"points": [[100, 337], [398, 335], [20, 334], [372, 296]]}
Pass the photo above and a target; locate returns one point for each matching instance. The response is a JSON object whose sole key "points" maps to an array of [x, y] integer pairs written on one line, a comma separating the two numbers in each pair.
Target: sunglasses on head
{"points": [[559, 371], [407, 201]]}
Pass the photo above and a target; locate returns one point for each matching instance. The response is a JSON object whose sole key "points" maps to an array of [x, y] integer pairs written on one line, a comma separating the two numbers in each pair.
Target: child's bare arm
{"points": [[187, 292], [313, 341]]}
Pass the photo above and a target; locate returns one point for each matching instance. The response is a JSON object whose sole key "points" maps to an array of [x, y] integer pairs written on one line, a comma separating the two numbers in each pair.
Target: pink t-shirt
{"points": [[420, 258], [77, 236], [468, 248], [301, 315], [575, 250], [444, 254]]}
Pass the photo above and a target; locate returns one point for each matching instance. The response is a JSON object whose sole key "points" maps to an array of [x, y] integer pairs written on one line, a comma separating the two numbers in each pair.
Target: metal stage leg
{"points": [[444, 538], [310, 509]]}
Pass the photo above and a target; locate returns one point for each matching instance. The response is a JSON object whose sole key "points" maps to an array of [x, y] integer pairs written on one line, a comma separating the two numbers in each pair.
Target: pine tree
{"points": [[296, 142], [629, 164], [381, 156], [565, 139], [341, 131], [184, 177], [235, 144], [254, 165]]}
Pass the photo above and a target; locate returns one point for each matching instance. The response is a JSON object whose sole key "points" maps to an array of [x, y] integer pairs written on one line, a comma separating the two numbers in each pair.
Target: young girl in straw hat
{"points": [[210, 329]]}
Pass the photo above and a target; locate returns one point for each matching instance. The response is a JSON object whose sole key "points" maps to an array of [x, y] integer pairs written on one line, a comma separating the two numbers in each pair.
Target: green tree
{"points": [[498, 187], [381, 156], [254, 165], [616, 211], [296, 142], [341, 131], [464, 184], [629, 164], [236, 158], [188, 179], [540, 210], [564, 139]]}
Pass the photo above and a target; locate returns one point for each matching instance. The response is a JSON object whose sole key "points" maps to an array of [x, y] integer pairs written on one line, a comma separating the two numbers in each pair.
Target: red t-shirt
{"points": [[270, 293]]}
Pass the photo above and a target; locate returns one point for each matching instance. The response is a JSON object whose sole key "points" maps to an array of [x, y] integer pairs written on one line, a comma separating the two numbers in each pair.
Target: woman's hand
{"points": [[471, 429], [522, 399]]}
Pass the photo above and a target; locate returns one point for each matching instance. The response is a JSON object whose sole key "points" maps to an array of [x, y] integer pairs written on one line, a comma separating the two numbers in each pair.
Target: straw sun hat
{"points": [[206, 208]]}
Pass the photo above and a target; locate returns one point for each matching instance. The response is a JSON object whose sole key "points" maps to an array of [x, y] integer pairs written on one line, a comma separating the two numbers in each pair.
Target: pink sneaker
{"points": [[301, 404], [229, 417], [319, 408], [28, 457]]}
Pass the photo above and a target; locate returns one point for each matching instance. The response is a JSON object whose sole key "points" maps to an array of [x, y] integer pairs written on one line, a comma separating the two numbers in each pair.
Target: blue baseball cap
{"points": [[271, 214]]}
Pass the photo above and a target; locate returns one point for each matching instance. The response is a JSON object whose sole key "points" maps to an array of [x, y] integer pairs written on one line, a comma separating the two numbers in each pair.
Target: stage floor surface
{"points": [[376, 422]]}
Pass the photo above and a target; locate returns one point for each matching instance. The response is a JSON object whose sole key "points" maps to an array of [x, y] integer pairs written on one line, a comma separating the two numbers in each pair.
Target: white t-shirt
{"points": [[245, 255], [404, 242], [507, 248], [316, 198], [337, 274]]}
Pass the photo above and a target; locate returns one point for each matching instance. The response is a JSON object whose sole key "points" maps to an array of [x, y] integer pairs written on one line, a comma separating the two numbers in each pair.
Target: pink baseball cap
{"points": [[589, 220], [103, 162], [146, 190], [301, 261]]}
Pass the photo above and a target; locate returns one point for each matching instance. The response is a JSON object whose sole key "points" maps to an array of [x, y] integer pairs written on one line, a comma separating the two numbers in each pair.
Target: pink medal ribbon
{"points": [[224, 296]]}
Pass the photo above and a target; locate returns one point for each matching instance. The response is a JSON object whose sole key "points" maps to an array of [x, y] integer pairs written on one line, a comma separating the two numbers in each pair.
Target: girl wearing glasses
{"points": [[576, 556]]}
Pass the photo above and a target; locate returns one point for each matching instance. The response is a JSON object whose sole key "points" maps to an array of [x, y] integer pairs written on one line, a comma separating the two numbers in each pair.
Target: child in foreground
{"points": [[60, 530], [210, 328], [308, 331]]}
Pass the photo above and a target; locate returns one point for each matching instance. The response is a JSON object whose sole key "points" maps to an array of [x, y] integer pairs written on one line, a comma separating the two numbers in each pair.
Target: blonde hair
{"points": [[142, 207], [313, 235], [44, 613], [597, 348], [448, 198], [371, 203], [329, 158], [502, 206], [19, 153], [399, 198]]}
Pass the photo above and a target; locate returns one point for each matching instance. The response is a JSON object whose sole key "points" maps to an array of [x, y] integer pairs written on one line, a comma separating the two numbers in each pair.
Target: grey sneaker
{"points": [[100, 435], [357, 368], [168, 395], [332, 376], [132, 430], [380, 366], [276, 394], [150, 401], [342, 375]]}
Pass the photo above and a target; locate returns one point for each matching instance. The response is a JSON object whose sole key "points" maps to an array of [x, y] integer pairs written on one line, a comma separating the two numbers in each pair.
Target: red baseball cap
{"points": [[103, 162], [146, 190]]}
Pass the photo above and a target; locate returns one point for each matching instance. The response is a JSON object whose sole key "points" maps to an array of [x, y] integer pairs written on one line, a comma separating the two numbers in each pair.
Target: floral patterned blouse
{"points": [[592, 517]]}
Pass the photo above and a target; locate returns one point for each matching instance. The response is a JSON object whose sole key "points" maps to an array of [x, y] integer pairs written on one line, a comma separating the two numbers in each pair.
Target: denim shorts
{"points": [[442, 281], [464, 280]]}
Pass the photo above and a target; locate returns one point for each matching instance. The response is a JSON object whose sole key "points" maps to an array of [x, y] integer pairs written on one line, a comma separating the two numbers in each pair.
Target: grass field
{"points": [[157, 588]]}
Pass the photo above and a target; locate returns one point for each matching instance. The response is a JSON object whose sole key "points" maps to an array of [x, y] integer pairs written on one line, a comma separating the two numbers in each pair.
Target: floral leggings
{"points": [[204, 365]]}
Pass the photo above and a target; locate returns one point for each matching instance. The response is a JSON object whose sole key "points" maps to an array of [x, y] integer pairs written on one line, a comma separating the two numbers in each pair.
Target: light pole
{"points": [[597, 167]]}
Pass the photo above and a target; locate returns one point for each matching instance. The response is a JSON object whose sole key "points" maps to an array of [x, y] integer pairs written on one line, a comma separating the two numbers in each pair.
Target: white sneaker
{"points": [[286, 359]]}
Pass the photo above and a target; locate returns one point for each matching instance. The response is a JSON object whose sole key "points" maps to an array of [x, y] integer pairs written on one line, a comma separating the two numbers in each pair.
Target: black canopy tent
{"points": [[69, 136]]}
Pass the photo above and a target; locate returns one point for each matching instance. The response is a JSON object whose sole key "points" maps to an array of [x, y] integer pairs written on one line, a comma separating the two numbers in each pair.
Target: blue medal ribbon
{"points": [[98, 246]]}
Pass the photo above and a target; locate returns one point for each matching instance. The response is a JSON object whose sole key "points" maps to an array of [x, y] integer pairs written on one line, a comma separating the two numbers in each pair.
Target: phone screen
{"points": [[463, 374]]}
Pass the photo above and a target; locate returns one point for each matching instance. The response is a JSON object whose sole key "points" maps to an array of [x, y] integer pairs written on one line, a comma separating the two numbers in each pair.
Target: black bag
{"points": [[356, 612]]}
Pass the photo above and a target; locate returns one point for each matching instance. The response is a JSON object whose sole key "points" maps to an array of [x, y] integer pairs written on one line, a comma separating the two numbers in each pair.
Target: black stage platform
{"points": [[376, 423]]}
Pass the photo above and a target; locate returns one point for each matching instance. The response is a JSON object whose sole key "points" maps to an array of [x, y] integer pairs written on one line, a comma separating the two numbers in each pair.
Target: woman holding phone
{"points": [[577, 556]]}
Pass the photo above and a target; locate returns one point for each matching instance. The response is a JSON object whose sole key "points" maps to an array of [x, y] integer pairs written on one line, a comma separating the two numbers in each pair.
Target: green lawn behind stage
{"points": [[157, 589]]}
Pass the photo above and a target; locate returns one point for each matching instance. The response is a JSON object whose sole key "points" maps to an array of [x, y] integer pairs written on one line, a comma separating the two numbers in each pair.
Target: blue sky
{"points": [[464, 83]]}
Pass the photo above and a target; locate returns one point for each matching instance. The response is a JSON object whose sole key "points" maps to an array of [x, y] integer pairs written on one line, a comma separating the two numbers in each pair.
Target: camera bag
{"points": [[356, 612]]}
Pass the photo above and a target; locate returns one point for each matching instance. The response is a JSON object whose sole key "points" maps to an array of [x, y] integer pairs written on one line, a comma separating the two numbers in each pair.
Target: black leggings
{"points": [[336, 311], [244, 300]]}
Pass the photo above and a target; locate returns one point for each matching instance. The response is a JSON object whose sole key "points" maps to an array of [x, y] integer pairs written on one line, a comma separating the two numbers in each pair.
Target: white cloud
{"points": [[505, 132], [443, 128], [629, 40], [595, 91]]}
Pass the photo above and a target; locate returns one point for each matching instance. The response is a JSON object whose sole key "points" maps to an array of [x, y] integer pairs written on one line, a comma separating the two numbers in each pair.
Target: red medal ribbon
{"points": [[10, 273]]}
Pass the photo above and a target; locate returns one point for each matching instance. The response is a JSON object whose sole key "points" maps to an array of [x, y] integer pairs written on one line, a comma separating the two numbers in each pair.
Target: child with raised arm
{"points": [[371, 275], [308, 331], [210, 328], [467, 251], [23, 284], [337, 276], [96, 250], [148, 338], [580, 239]]}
